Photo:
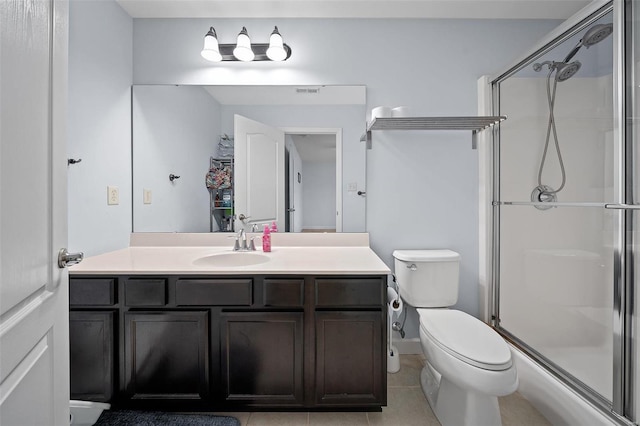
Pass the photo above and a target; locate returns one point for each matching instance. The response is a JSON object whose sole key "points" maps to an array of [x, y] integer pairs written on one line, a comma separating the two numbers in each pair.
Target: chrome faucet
{"points": [[241, 242]]}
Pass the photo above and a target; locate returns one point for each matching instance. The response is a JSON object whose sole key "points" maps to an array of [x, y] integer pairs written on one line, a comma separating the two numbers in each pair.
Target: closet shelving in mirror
{"points": [[475, 124], [221, 199]]}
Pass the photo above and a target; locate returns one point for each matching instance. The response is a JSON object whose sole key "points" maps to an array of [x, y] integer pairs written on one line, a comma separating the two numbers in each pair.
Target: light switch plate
{"points": [[146, 196], [113, 196]]}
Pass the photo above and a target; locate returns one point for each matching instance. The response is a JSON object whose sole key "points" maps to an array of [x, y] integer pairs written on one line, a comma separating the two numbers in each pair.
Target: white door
{"points": [[34, 329], [258, 173], [291, 205], [295, 192]]}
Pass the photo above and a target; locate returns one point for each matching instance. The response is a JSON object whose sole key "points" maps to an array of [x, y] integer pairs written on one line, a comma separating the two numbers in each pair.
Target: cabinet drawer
{"points": [[214, 292], [92, 291], [342, 292], [145, 292], [284, 292]]}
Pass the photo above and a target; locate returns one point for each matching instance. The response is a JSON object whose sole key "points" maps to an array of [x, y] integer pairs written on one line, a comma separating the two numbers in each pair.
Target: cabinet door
{"points": [[166, 355], [262, 357], [91, 345], [350, 359]]}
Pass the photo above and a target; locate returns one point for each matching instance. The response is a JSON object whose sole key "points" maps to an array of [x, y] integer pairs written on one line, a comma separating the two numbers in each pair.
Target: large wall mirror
{"points": [[307, 180]]}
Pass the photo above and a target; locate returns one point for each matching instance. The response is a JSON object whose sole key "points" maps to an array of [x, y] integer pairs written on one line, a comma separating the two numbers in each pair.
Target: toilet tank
{"points": [[427, 278]]}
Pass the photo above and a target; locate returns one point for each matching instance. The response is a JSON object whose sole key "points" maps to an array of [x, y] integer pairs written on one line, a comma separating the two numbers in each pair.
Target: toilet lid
{"points": [[465, 337]]}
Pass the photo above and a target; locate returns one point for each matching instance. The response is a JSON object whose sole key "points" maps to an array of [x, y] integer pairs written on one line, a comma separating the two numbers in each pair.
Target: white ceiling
{"points": [[316, 148], [496, 9]]}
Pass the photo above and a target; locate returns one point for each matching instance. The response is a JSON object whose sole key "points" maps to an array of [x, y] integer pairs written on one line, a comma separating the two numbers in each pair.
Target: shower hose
{"points": [[551, 127]]}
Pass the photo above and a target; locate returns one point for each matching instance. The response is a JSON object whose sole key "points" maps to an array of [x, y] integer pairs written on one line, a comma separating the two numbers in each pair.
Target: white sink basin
{"points": [[232, 259]]}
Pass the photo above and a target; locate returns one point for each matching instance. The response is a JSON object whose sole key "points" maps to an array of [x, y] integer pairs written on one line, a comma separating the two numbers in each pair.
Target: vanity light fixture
{"points": [[244, 50], [243, 47], [276, 51], [211, 51]]}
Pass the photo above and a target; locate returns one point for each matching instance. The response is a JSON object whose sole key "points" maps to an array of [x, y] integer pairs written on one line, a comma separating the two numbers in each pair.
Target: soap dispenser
{"points": [[266, 239], [274, 226]]}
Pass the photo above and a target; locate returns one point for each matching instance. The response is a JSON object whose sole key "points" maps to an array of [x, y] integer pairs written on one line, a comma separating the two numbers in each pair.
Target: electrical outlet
{"points": [[113, 196], [352, 186], [146, 196]]}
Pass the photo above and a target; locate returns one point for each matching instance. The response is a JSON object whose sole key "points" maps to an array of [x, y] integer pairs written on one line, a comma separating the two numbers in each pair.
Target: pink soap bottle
{"points": [[266, 239], [274, 226]]}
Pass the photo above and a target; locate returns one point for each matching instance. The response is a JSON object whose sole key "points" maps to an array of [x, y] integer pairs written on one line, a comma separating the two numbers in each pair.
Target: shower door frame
{"points": [[621, 408]]}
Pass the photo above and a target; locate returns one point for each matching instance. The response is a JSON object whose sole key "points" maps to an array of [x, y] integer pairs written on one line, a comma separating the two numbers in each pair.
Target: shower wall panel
{"points": [[584, 122]]}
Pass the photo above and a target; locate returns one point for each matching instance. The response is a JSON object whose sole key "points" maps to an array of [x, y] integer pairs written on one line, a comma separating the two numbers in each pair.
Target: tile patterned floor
{"points": [[407, 406]]}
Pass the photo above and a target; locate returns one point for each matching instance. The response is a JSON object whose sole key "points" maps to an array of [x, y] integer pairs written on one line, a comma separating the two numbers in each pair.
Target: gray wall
{"points": [[99, 128]]}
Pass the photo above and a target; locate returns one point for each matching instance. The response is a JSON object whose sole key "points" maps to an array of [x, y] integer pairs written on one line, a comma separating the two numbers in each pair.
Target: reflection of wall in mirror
{"points": [[175, 130], [318, 200]]}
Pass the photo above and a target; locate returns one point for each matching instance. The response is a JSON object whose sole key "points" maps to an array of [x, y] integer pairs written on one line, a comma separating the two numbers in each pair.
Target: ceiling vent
{"points": [[314, 90]]}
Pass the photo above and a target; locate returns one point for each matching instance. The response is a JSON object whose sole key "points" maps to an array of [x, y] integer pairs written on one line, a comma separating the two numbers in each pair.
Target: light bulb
{"points": [[211, 51], [276, 51], [243, 50]]}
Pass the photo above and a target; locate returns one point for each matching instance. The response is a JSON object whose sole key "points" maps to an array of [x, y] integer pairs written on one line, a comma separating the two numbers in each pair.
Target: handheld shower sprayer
{"points": [[563, 71]]}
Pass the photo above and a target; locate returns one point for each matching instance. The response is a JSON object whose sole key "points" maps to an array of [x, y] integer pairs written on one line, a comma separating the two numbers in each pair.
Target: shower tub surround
{"points": [[183, 321]]}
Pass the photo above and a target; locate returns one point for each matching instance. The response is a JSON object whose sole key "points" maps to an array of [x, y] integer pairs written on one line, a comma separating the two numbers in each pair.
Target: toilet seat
{"points": [[466, 338]]}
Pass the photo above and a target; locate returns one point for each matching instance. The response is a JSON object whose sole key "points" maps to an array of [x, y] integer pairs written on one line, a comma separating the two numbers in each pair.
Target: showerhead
{"points": [[594, 35], [563, 70], [566, 71]]}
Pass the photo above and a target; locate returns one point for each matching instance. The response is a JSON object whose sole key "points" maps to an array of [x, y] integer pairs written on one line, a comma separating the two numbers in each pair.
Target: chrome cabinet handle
{"points": [[66, 259]]}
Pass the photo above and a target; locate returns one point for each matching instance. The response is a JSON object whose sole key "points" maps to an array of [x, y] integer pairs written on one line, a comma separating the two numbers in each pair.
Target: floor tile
{"points": [[406, 407], [278, 419], [338, 419], [243, 417], [516, 411], [409, 374]]}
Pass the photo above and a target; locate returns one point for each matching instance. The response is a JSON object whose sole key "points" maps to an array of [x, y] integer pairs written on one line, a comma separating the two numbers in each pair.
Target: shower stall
{"points": [[563, 205]]}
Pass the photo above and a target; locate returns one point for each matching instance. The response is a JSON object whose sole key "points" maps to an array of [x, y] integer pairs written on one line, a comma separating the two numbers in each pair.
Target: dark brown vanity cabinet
{"points": [[92, 338], [229, 342], [166, 355], [350, 342], [262, 357], [92, 355]]}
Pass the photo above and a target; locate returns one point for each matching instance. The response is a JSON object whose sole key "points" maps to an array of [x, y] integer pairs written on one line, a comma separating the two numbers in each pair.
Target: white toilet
{"points": [[468, 364]]}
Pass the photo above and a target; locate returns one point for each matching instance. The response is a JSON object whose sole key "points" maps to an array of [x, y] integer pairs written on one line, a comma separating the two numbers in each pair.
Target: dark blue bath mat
{"points": [[156, 418]]}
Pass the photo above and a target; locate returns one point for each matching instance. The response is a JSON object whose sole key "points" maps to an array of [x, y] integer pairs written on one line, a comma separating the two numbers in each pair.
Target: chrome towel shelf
{"points": [[475, 124]]}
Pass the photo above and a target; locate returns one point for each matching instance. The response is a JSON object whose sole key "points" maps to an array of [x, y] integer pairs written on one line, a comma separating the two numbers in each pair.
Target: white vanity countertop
{"points": [[316, 254]]}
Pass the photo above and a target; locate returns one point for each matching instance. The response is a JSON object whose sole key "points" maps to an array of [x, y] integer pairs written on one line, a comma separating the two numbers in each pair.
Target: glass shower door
{"points": [[558, 167]]}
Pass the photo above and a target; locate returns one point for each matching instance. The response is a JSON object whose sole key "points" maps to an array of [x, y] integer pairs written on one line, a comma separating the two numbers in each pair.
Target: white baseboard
{"points": [[408, 346]]}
